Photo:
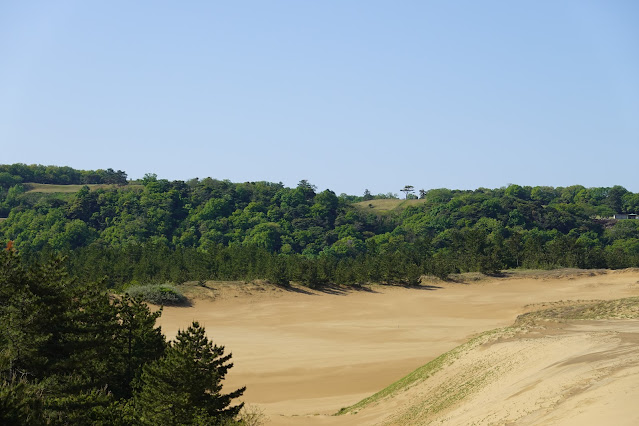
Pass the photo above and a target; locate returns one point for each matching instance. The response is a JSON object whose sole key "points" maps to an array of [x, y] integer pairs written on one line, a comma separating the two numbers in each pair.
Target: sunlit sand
{"points": [[305, 354]]}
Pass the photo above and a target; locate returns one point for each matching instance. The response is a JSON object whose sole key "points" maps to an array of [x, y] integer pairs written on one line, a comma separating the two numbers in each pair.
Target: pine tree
{"points": [[33, 307], [55, 333], [136, 342], [277, 271], [184, 386], [20, 403]]}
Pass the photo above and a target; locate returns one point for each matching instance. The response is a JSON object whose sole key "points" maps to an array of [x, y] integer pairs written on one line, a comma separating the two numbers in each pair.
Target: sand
{"points": [[303, 355]]}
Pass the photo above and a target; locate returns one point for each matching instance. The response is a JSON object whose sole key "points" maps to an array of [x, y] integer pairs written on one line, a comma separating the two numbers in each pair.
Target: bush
{"points": [[252, 415], [158, 294]]}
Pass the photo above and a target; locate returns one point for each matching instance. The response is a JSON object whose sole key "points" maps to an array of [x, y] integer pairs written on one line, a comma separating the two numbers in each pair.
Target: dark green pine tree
{"points": [[185, 386], [55, 333], [77, 386], [34, 304], [20, 403], [136, 342], [277, 272]]}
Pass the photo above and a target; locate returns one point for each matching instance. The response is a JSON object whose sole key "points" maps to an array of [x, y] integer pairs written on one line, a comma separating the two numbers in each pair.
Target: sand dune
{"points": [[574, 373], [305, 354]]}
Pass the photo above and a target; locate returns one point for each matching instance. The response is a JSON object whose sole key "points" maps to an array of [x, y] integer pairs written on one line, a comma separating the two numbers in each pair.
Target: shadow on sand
{"points": [[343, 290]]}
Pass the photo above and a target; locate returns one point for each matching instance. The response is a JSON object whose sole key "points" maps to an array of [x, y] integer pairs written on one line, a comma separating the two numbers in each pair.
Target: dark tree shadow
{"points": [[294, 289], [333, 289], [342, 290], [498, 274], [187, 303], [425, 287]]}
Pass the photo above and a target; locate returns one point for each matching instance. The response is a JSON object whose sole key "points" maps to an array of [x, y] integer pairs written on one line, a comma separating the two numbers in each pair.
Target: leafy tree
{"points": [[325, 208], [615, 198], [7, 180], [266, 235], [307, 187], [149, 177], [517, 191]]}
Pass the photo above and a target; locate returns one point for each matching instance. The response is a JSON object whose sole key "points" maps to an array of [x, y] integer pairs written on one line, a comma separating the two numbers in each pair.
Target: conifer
{"points": [[185, 386]]}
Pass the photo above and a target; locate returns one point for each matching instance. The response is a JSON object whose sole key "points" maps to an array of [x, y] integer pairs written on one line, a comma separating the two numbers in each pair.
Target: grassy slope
{"points": [[385, 206], [66, 189], [627, 308]]}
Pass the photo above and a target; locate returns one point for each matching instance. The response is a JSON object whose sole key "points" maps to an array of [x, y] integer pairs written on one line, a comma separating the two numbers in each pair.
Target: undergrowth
{"points": [[158, 294]]}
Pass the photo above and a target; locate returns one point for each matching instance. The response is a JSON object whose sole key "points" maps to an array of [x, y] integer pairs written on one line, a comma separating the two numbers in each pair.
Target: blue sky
{"points": [[346, 94]]}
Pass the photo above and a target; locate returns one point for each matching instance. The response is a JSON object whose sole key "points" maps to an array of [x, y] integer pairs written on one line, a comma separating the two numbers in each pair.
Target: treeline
{"points": [[216, 229], [70, 355], [465, 251], [158, 263], [12, 174]]}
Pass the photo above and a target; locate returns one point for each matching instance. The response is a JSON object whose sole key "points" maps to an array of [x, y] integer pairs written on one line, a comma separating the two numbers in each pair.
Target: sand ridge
{"points": [[572, 374], [305, 354]]}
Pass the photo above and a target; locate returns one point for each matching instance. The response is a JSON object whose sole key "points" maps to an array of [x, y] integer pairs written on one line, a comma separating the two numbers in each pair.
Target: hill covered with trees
{"points": [[203, 229]]}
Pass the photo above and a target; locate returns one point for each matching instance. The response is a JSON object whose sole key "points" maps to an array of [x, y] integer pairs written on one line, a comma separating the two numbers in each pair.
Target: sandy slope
{"points": [[577, 373], [305, 355]]}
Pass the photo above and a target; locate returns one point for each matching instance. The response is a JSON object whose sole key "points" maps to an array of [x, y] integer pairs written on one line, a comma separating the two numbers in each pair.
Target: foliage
{"points": [[184, 386], [252, 415], [158, 294], [165, 231], [70, 355], [11, 174], [20, 402]]}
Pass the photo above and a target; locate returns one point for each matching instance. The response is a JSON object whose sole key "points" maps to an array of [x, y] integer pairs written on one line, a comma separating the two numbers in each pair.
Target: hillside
{"points": [[67, 189], [174, 231]]}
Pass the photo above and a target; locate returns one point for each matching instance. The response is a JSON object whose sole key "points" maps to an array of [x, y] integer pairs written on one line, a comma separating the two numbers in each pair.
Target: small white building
{"points": [[625, 216]]}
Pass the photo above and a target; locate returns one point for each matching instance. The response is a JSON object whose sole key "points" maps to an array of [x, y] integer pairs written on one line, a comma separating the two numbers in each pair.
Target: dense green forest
{"points": [[176, 231], [71, 355], [11, 174]]}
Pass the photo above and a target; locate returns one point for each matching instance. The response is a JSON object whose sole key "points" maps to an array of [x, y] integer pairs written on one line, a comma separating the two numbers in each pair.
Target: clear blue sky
{"points": [[346, 94]]}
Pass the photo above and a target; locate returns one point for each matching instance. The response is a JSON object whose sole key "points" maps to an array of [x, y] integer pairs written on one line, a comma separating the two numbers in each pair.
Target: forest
{"points": [[156, 230], [69, 354]]}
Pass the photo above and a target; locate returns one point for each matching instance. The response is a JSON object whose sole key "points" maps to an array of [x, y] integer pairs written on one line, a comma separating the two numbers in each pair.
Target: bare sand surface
{"points": [[574, 373], [305, 354]]}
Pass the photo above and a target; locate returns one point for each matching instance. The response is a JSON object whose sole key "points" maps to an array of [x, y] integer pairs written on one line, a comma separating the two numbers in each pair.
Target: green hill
{"points": [[216, 229]]}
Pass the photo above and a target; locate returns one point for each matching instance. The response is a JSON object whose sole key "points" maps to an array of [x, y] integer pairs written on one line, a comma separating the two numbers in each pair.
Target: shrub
{"points": [[158, 294]]}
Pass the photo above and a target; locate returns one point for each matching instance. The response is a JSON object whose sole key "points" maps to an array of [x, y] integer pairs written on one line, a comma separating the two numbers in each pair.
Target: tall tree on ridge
{"points": [[408, 189]]}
